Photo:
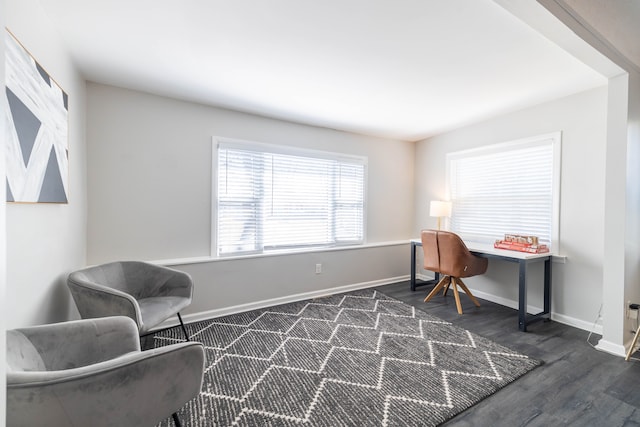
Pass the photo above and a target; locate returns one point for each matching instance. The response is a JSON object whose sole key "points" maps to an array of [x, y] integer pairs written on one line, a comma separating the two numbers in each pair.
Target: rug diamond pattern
{"points": [[359, 303], [321, 311], [312, 329], [302, 354], [361, 359], [256, 343], [462, 359], [406, 348], [246, 373], [219, 335], [396, 308], [341, 404], [410, 380], [275, 322], [405, 326], [284, 391], [353, 366], [357, 318], [355, 337]]}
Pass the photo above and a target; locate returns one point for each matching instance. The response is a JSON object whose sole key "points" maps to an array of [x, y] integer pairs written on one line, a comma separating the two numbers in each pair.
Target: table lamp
{"points": [[439, 209]]}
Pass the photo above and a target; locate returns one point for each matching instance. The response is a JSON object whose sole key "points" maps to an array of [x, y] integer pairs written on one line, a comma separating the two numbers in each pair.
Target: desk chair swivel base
{"points": [[445, 283]]}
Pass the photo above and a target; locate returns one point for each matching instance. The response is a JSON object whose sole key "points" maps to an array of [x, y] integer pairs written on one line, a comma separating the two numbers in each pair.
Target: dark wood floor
{"points": [[577, 385]]}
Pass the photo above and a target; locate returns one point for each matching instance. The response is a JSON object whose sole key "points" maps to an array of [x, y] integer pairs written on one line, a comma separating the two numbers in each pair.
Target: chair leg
{"points": [[183, 328], [446, 289], [444, 281], [456, 294], [633, 344], [176, 420], [468, 292]]}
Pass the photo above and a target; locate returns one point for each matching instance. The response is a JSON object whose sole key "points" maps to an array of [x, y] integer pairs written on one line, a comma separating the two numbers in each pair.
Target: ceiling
{"points": [[616, 24], [402, 69]]}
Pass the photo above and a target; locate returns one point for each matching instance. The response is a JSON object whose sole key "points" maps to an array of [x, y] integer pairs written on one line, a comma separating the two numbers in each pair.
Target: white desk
{"points": [[523, 259]]}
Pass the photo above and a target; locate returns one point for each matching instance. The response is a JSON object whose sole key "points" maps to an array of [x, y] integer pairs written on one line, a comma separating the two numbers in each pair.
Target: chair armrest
{"points": [[95, 300], [177, 283], [82, 342], [182, 283], [480, 264], [140, 388]]}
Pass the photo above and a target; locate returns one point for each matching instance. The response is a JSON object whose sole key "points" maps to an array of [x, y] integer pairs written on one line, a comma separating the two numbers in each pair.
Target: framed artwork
{"points": [[37, 144]]}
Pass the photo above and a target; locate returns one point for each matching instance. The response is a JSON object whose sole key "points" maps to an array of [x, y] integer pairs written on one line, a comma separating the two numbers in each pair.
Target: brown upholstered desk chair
{"points": [[446, 253]]}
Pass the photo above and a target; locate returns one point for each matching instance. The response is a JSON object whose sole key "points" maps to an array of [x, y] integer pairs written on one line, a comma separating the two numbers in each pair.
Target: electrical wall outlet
{"points": [[318, 268], [632, 310]]}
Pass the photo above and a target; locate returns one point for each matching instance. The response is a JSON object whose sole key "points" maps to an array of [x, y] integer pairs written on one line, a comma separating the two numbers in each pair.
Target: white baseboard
{"points": [[560, 318], [612, 348], [502, 301], [225, 311], [596, 327]]}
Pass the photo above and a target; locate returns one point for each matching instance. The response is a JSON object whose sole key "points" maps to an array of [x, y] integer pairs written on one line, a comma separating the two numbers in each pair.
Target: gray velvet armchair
{"points": [[92, 373], [147, 293]]}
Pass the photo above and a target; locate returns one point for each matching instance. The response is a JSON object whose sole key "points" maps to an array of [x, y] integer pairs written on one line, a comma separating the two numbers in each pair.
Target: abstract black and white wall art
{"points": [[36, 131]]}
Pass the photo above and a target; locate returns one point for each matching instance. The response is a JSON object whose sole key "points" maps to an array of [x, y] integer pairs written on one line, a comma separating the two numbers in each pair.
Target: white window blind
{"points": [[275, 198], [506, 188]]}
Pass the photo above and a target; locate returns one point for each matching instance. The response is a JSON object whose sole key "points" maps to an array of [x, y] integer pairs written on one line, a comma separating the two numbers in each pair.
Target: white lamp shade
{"points": [[439, 209]]}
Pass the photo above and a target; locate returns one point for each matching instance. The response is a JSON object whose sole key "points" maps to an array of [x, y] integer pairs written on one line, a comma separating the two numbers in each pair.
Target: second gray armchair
{"points": [[147, 293], [92, 373]]}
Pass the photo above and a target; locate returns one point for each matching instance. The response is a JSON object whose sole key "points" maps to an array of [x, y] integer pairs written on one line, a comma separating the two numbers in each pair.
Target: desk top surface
{"points": [[487, 249]]}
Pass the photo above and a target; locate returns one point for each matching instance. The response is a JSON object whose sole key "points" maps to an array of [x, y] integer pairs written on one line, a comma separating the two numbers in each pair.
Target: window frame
{"points": [[284, 150], [513, 145]]}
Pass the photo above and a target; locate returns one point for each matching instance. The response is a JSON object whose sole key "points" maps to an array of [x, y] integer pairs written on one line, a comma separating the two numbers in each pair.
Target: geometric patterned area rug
{"points": [[355, 359]]}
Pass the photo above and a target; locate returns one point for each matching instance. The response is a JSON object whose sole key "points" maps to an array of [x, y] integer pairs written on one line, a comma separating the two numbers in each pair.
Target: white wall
{"points": [[149, 172], [3, 240], [577, 284], [611, 28], [228, 286], [47, 241], [149, 176], [613, 305], [632, 229]]}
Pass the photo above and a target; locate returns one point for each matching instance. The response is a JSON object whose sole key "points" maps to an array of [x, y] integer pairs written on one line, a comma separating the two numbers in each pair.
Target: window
{"points": [[512, 187], [272, 198]]}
